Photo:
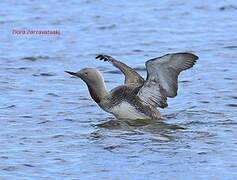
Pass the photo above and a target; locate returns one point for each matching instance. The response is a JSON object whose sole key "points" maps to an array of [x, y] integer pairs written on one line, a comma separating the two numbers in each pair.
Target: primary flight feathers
{"points": [[162, 77]]}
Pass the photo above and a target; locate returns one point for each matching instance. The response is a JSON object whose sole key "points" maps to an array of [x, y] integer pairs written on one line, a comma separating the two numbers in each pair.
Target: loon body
{"points": [[138, 98]]}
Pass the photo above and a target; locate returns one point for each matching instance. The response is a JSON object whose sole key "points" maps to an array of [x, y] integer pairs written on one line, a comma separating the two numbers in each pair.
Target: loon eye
{"points": [[86, 73]]}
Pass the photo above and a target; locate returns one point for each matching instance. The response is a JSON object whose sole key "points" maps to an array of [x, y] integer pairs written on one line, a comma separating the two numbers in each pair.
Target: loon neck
{"points": [[98, 91]]}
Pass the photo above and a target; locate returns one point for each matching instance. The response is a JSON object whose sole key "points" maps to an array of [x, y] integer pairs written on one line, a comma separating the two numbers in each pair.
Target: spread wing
{"points": [[131, 76], [162, 77]]}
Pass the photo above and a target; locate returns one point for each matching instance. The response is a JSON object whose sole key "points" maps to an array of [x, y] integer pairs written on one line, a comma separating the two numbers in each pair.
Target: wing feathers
{"points": [[162, 77], [131, 76]]}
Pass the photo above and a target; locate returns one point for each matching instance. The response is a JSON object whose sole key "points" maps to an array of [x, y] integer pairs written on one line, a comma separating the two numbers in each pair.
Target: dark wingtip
{"points": [[103, 57], [97, 56], [195, 56], [100, 57]]}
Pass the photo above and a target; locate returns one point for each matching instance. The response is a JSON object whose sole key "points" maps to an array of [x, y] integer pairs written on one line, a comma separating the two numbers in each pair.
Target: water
{"points": [[51, 129]]}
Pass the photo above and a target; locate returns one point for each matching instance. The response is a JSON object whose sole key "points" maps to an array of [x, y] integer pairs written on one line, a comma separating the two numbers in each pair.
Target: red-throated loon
{"points": [[138, 98]]}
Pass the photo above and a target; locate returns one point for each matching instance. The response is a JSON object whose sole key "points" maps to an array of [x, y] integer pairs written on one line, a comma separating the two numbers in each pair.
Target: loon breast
{"points": [[125, 110]]}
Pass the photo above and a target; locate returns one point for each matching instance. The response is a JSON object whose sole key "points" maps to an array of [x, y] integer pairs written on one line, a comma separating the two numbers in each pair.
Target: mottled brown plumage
{"points": [[137, 98]]}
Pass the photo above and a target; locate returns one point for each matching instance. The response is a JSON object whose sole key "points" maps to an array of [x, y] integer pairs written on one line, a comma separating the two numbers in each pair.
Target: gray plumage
{"points": [[162, 77], [138, 98], [131, 76]]}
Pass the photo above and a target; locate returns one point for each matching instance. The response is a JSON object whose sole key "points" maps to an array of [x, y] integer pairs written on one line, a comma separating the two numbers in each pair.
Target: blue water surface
{"points": [[50, 128]]}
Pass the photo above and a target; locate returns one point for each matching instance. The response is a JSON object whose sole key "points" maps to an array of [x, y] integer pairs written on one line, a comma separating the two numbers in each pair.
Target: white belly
{"points": [[127, 111]]}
